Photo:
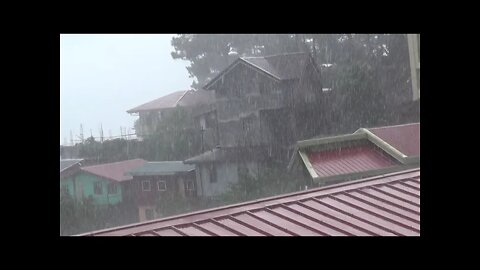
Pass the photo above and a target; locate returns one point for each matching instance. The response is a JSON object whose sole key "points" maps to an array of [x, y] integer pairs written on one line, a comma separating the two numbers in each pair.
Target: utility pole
{"points": [[71, 138], [81, 133], [101, 133]]}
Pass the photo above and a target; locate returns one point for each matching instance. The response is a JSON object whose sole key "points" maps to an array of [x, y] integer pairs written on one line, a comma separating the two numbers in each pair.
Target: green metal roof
{"points": [[163, 168]]}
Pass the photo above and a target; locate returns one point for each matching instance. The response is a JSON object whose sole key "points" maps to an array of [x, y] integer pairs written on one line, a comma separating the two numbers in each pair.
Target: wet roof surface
{"points": [[116, 171], [387, 205], [349, 160], [162, 168], [404, 138]]}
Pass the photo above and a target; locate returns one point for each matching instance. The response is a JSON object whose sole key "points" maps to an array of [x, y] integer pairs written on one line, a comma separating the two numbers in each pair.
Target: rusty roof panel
{"points": [[385, 205], [348, 160]]}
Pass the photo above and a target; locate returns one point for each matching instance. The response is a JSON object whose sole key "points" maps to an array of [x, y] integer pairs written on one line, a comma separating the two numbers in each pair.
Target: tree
{"points": [[209, 54]]}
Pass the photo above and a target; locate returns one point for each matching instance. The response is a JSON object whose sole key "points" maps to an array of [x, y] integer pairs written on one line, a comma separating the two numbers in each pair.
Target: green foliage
{"points": [[370, 72], [79, 217], [174, 138], [209, 53]]}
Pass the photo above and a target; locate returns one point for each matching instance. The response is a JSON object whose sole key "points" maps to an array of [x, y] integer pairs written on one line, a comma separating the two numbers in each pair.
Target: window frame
{"points": [[109, 186], [212, 171], [158, 187], [149, 185], [98, 186], [192, 183]]}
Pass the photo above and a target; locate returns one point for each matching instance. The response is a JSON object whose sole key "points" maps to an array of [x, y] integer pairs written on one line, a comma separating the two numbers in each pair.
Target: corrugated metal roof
{"points": [[185, 98], [280, 66], [229, 153], [116, 171], [67, 163], [404, 138], [387, 205], [168, 101], [283, 66], [347, 160], [162, 168]]}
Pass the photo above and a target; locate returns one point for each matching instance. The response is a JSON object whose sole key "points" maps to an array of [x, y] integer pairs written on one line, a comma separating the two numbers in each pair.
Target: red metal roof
{"points": [[115, 171], [404, 138], [386, 205], [183, 98], [349, 160]]}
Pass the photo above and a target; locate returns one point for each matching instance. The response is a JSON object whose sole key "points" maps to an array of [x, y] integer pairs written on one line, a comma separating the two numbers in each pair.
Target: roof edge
{"points": [[383, 145], [297, 193]]}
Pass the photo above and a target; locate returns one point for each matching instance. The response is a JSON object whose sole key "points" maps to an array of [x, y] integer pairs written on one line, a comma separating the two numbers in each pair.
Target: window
{"points": [[64, 189], [213, 173], [112, 188], [189, 185], [149, 213], [189, 188], [161, 185], [262, 87], [97, 188], [248, 124], [146, 185]]}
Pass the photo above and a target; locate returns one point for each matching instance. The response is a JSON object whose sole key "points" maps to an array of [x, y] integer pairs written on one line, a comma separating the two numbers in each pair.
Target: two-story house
{"points": [[262, 107]]}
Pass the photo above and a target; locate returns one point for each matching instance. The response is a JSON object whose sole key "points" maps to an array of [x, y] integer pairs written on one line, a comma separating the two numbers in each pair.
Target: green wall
{"points": [[84, 187]]}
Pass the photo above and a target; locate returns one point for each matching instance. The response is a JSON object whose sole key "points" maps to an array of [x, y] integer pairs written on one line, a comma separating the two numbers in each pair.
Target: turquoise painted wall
{"points": [[84, 187]]}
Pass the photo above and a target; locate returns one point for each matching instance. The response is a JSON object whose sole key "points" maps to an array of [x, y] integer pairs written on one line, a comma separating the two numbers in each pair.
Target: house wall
{"points": [[239, 98], [175, 188], [81, 186], [227, 174]]}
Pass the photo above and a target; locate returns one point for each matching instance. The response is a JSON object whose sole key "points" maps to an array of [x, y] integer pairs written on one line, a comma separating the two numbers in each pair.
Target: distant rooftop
{"points": [[116, 171], [162, 168], [184, 98], [67, 163], [280, 66]]}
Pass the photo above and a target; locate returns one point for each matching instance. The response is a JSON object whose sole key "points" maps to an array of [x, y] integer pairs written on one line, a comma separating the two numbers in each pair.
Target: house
{"points": [[102, 183], [220, 167], [68, 168], [260, 108], [385, 205], [156, 180], [258, 98], [367, 152], [151, 113]]}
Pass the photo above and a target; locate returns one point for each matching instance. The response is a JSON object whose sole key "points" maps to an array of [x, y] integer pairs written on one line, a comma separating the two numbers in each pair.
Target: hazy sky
{"points": [[102, 76]]}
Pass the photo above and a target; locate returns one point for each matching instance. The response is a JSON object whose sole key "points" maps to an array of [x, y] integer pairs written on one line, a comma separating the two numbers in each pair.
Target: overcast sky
{"points": [[102, 76]]}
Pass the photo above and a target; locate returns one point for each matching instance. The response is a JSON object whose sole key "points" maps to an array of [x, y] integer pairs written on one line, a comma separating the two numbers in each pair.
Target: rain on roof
{"points": [[116, 171], [184, 98], [162, 168], [279, 67], [364, 153], [386, 205]]}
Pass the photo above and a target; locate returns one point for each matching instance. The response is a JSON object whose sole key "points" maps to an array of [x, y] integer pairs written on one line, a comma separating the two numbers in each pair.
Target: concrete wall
{"points": [[227, 173]]}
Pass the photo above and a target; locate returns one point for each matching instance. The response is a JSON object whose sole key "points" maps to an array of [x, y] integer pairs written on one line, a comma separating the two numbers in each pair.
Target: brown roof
{"points": [[386, 205], [184, 98], [404, 138], [116, 171], [281, 66]]}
